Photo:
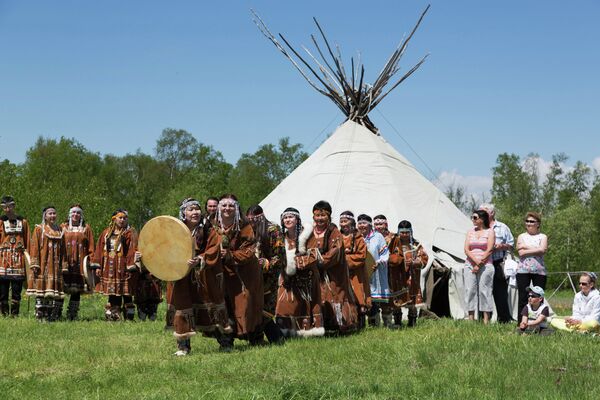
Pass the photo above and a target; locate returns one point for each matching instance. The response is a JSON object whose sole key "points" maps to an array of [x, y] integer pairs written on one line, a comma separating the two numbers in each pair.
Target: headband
{"points": [[322, 209], [184, 205], [380, 221], [73, 209], [288, 213], [228, 201], [348, 216], [119, 214], [404, 230]]}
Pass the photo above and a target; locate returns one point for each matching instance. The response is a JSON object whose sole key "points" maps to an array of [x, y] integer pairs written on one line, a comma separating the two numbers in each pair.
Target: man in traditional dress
{"points": [[407, 257], [211, 206], [270, 251], [355, 250], [504, 243], [380, 288], [14, 243], [325, 249]]}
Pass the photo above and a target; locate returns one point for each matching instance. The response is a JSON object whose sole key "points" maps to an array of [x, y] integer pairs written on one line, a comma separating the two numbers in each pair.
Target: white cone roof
{"points": [[358, 171]]}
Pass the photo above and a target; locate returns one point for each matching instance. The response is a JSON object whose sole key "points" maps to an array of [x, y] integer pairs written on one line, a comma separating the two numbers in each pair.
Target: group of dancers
{"points": [[249, 277]]}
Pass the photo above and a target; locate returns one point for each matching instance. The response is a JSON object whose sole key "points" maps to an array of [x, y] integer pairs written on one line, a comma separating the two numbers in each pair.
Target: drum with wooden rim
{"points": [[166, 245]]}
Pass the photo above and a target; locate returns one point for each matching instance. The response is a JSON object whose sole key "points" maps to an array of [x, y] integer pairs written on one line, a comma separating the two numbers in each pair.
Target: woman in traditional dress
{"points": [[115, 261], [407, 257], [478, 272], [79, 240], [48, 262], [355, 250], [242, 274], [298, 311], [198, 299], [380, 288], [270, 251], [325, 250]]}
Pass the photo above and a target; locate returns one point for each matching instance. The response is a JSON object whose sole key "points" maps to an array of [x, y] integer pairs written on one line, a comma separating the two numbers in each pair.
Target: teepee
{"points": [[356, 169]]}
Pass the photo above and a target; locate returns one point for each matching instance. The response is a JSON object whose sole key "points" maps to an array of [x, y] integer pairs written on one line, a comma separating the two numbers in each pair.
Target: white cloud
{"points": [[477, 186], [596, 164]]}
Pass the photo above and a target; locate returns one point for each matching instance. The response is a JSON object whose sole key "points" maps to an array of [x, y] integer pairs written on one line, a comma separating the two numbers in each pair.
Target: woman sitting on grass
{"points": [[535, 314], [586, 308]]}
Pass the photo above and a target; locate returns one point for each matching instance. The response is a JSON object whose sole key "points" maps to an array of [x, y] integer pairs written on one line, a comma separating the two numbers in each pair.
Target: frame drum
{"points": [[166, 245]]}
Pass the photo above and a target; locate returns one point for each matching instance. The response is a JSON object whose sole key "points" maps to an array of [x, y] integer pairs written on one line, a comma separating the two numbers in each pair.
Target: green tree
{"points": [[575, 185], [549, 198], [177, 148], [256, 175]]}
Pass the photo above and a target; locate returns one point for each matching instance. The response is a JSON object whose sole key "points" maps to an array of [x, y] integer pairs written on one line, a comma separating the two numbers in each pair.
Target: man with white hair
{"points": [[504, 243]]}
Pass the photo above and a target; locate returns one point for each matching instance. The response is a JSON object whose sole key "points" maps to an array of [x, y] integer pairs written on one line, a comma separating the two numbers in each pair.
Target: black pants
{"points": [[117, 301], [525, 280], [500, 292], [7, 285]]}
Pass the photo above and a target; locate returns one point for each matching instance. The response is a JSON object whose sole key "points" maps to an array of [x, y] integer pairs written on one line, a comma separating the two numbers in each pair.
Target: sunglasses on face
{"points": [[530, 221], [474, 217], [584, 283], [534, 296]]}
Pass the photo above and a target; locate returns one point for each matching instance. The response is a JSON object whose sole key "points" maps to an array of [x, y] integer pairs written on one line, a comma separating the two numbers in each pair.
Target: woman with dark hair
{"points": [[298, 311], [115, 261], [478, 272], [270, 251], [198, 300], [407, 257], [325, 250], [531, 246], [48, 262], [242, 274], [355, 251], [79, 240]]}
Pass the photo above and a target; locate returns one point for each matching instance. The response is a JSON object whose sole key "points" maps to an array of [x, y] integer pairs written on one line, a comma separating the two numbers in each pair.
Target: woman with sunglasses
{"points": [[478, 272], [531, 246], [586, 307]]}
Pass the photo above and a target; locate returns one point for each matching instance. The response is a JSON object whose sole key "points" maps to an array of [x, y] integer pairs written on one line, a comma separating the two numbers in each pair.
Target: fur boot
{"points": [[129, 311], [15, 305], [4, 308], [56, 310], [72, 310]]}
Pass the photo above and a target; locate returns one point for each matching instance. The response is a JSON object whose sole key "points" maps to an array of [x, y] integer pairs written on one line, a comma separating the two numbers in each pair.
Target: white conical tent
{"points": [[359, 171]]}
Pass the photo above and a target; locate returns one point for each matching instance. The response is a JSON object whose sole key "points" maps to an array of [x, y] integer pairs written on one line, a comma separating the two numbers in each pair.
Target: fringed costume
{"points": [[198, 300], [48, 262], [298, 311], [355, 251], [115, 257], [14, 243]]}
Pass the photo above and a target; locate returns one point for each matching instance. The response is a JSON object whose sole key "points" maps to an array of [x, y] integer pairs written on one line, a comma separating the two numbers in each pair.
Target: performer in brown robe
{"points": [[408, 257], [14, 243], [325, 249], [148, 292], [243, 276], [298, 310], [355, 251], [79, 241], [396, 276], [198, 299], [48, 262], [270, 251], [115, 259]]}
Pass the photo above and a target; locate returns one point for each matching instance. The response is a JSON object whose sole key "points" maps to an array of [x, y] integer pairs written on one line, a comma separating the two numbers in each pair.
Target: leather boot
{"points": [[152, 309], [40, 312], [387, 320], [55, 313], [141, 312], [273, 333], [72, 310], [129, 311], [398, 319], [14, 308], [4, 308]]}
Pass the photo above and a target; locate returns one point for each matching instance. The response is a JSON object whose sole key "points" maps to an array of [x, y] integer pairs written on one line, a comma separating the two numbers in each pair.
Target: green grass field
{"points": [[92, 359]]}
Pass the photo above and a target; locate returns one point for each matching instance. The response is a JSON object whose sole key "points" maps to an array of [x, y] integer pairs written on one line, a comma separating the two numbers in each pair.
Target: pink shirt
{"points": [[478, 245]]}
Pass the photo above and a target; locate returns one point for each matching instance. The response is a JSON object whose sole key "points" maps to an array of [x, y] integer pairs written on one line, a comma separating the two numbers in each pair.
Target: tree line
{"points": [[62, 172], [567, 198]]}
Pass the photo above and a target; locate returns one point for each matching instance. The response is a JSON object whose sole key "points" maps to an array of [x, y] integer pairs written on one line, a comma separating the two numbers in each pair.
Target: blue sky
{"points": [[511, 76]]}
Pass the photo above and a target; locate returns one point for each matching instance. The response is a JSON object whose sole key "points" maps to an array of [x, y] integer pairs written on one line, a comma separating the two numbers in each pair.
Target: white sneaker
{"points": [[180, 353]]}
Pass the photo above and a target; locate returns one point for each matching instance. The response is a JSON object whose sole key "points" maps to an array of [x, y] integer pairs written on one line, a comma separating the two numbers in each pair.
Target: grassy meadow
{"points": [[92, 359]]}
